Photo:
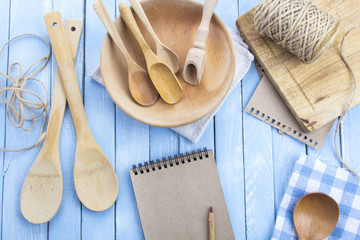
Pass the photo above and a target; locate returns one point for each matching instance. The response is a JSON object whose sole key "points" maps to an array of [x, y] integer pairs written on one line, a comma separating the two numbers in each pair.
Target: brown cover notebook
{"points": [[174, 197]]}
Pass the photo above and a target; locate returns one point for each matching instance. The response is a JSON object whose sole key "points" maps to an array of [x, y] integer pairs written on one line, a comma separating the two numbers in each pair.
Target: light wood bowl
{"points": [[176, 23]]}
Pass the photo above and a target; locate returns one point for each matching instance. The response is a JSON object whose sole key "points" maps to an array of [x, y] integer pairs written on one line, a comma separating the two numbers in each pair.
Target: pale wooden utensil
{"points": [[318, 92], [315, 216], [95, 180], [195, 60], [165, 53], [43, 186], [160, 73], [197, 101], [140, 85]]}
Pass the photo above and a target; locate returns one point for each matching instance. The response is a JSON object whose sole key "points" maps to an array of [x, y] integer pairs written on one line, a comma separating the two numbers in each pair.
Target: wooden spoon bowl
{"points": [[175, 23], [315, 216]]}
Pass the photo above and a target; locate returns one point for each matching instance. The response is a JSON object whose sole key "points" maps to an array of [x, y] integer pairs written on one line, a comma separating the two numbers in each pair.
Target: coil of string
{"points": [[307, 31], [298, 26], [20, 109]]}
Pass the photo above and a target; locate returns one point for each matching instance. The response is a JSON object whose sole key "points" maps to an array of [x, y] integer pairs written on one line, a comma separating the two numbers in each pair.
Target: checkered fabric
{"points": [[311, 175]]}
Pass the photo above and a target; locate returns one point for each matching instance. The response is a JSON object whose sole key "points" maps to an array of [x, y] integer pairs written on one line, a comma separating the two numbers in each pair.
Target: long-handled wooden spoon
{"points": [[95, 180], [165, 53], [43, 186], [141, 87], [315, 216], [160, 73]]}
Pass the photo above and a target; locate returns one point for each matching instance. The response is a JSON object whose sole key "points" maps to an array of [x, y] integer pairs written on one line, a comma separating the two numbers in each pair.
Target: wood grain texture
{"points": [[4, 36], [253, 189], [24, 17], [285, 155], [100, 111], [218, 69], [229, 154], [258, 164], [132, 147], [69, 214], [318, 92], [42, 190], [350, 132]]}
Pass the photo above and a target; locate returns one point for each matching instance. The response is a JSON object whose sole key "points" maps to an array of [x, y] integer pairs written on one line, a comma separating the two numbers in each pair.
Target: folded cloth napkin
{"points": [[311, 175], [244, 58]]}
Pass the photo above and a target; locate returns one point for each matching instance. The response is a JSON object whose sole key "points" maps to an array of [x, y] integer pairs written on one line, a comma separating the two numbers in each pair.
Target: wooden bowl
{"points": [[176, 23]]}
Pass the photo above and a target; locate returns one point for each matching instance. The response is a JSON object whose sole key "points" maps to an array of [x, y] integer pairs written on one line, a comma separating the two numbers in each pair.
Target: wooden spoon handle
{"points": [[65, 64], [58, 102], [109, 25], [141, 14], [203, 31], [130, 21]]}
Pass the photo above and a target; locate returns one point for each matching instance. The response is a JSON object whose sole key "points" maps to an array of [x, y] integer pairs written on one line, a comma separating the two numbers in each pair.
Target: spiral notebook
{"points": [[174, 195]]}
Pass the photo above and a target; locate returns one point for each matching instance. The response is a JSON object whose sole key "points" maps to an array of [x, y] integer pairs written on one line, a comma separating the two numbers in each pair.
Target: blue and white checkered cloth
{"points": [[315, 176]]}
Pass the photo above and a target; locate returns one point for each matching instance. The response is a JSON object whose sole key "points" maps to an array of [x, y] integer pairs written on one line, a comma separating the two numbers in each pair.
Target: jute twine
{"points": [[18, 108], [307, 31], [298, 26]]}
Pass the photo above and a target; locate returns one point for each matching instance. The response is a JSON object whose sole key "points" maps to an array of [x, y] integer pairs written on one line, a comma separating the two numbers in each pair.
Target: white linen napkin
{"points": [[194, 131]]}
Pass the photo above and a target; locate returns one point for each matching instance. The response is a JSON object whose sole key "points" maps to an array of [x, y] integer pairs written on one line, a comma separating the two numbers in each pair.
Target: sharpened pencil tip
{"points": [[211, 209]]}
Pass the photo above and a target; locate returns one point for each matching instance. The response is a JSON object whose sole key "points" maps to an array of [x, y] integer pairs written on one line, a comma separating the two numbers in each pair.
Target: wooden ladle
{"points": [[95, 180], [42, 190], [315, 216], [160, 73], [141, 87], [165, 53]]}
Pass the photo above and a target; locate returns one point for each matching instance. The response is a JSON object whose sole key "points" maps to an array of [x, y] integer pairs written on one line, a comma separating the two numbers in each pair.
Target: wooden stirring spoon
{"points": [[95, 180], [141, 87], [160, 73], [315, 216], [165, 53], [43, 186]]}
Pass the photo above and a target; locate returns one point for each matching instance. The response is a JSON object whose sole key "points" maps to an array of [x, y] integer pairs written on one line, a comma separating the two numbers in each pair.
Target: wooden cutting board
{"points": [[318, 92]]}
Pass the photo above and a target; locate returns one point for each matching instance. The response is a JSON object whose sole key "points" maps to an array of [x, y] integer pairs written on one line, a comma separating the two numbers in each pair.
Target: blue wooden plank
{"points": [[4, 36], [207, 140], [258, 163], [25, 17], [163, 143], [327, 153], [350, 141], [229, 159], [286, 151], [229, 154], [69, 214], [100, 112], [132, 147]]}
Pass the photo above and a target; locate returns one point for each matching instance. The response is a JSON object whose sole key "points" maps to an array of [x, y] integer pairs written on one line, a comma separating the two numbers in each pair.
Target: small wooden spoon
{"points": [[95, 180], [315, 216], [160, 73], [165, 53], [141, 87], [43, 187]]}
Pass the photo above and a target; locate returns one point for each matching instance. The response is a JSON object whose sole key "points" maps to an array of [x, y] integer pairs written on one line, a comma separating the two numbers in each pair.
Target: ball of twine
{"points": [[297, 25]]}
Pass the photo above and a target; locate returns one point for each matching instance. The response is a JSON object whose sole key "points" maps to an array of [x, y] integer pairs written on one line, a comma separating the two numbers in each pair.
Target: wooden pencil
{"points": [[211, 224]]}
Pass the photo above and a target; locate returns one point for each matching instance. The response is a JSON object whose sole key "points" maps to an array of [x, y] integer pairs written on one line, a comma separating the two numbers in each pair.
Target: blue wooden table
{"points": [[254, 161]]}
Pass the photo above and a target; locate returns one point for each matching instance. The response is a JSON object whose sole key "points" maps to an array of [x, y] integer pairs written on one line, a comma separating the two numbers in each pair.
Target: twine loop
{"points": [[298, 26], [18, 106]]}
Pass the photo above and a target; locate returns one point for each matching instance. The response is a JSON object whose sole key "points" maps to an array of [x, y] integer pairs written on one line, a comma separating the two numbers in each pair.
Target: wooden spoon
{"points": [[160, 73], [43, 186], [141, 87], [95, 180], [165, 53], [315, 216]]}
